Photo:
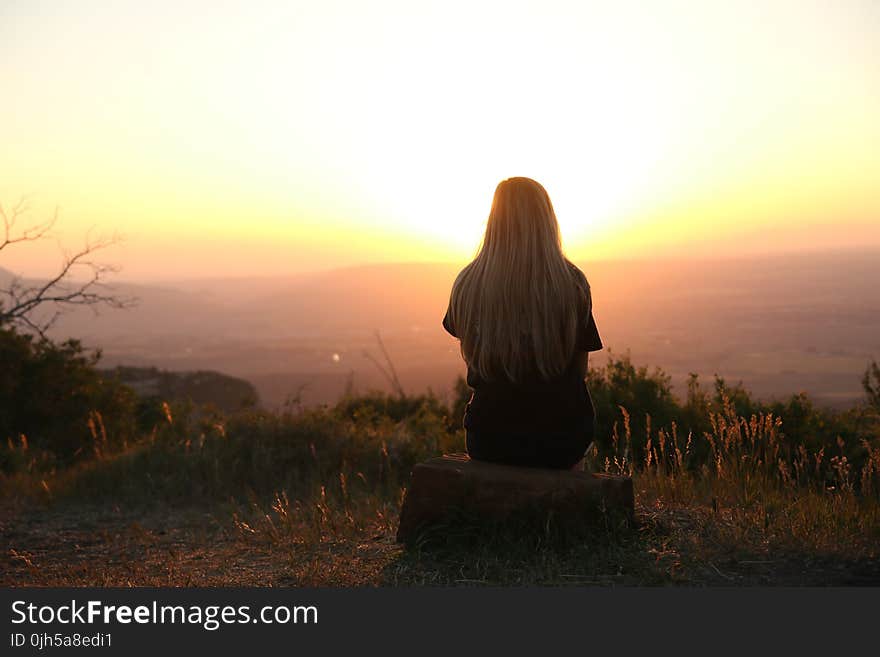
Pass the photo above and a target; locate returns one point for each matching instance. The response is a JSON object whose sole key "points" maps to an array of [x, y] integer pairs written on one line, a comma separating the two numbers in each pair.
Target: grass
{"points": [[312, 498]]}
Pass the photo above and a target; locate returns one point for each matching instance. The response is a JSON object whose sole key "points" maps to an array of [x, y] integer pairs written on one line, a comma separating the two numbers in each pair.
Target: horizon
{"points": [[311, 141], [817, 251], [697, 257]]}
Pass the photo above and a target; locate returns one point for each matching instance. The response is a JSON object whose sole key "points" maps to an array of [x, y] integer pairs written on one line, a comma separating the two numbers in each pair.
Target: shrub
{"points": [[53, 395]]}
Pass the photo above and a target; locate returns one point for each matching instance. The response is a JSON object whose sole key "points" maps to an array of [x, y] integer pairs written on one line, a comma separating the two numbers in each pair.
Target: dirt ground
{"points": [[116, 546], [99, 546]]}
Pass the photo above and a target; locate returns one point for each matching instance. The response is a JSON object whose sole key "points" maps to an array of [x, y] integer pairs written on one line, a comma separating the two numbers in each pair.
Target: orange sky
{"points": [[270, 138]]}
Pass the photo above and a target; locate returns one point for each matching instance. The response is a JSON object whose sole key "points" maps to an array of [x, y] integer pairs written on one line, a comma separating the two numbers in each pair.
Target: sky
{"points": [[269, 138]]}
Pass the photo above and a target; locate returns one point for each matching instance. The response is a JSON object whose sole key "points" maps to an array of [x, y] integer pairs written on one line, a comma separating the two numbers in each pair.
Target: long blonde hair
{"points": [[514, 307]]}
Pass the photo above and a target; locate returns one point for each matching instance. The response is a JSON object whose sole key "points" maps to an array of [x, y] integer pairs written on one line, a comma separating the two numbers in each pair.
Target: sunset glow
{"points": [[269, 138]]}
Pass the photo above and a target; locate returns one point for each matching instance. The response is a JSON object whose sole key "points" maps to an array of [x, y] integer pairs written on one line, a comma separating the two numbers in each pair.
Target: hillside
{"points": [[223, 392]]}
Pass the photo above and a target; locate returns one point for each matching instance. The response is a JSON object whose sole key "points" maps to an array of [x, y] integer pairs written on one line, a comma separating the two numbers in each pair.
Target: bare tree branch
{"points": [[20, 300], [30, 234], [390, 374]]}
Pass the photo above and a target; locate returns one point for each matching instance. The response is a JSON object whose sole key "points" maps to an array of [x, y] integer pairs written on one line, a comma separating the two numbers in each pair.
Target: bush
{"points": [[645, 394], [57, 408], [53, 396]]}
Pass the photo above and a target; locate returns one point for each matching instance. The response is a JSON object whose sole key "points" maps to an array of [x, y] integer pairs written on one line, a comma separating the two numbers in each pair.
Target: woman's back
{"points": [[536, 404], [523, 313]]}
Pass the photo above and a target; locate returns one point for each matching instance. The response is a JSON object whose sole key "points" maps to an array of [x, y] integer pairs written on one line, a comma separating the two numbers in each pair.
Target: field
{"points": [[311, 497]]}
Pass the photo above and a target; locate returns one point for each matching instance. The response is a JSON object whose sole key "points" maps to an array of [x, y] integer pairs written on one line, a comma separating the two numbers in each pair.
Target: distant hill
{"points": [[204, 387]]}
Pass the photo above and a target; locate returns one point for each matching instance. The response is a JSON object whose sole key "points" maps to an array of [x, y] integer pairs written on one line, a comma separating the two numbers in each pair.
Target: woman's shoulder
{"points": [[579, 276], [464, 272]]}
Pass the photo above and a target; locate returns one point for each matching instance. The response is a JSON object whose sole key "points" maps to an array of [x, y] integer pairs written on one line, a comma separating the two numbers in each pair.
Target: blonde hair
{"points": [[514, 307]]}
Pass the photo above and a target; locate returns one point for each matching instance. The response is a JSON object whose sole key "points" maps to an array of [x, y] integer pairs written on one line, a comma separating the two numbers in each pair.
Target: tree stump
{"points": [[455, 486]]}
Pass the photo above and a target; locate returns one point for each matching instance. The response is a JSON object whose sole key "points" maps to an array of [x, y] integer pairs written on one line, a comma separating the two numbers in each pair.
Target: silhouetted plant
{"points": [[53, 395], [35, 305], [871, 384]]}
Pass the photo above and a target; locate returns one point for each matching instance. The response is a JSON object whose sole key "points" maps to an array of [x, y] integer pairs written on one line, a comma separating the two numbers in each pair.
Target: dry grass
{"points": [[277, 502]]}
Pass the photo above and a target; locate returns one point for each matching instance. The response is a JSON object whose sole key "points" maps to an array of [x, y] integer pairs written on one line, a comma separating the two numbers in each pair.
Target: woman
{"points": [[523, 313]]}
